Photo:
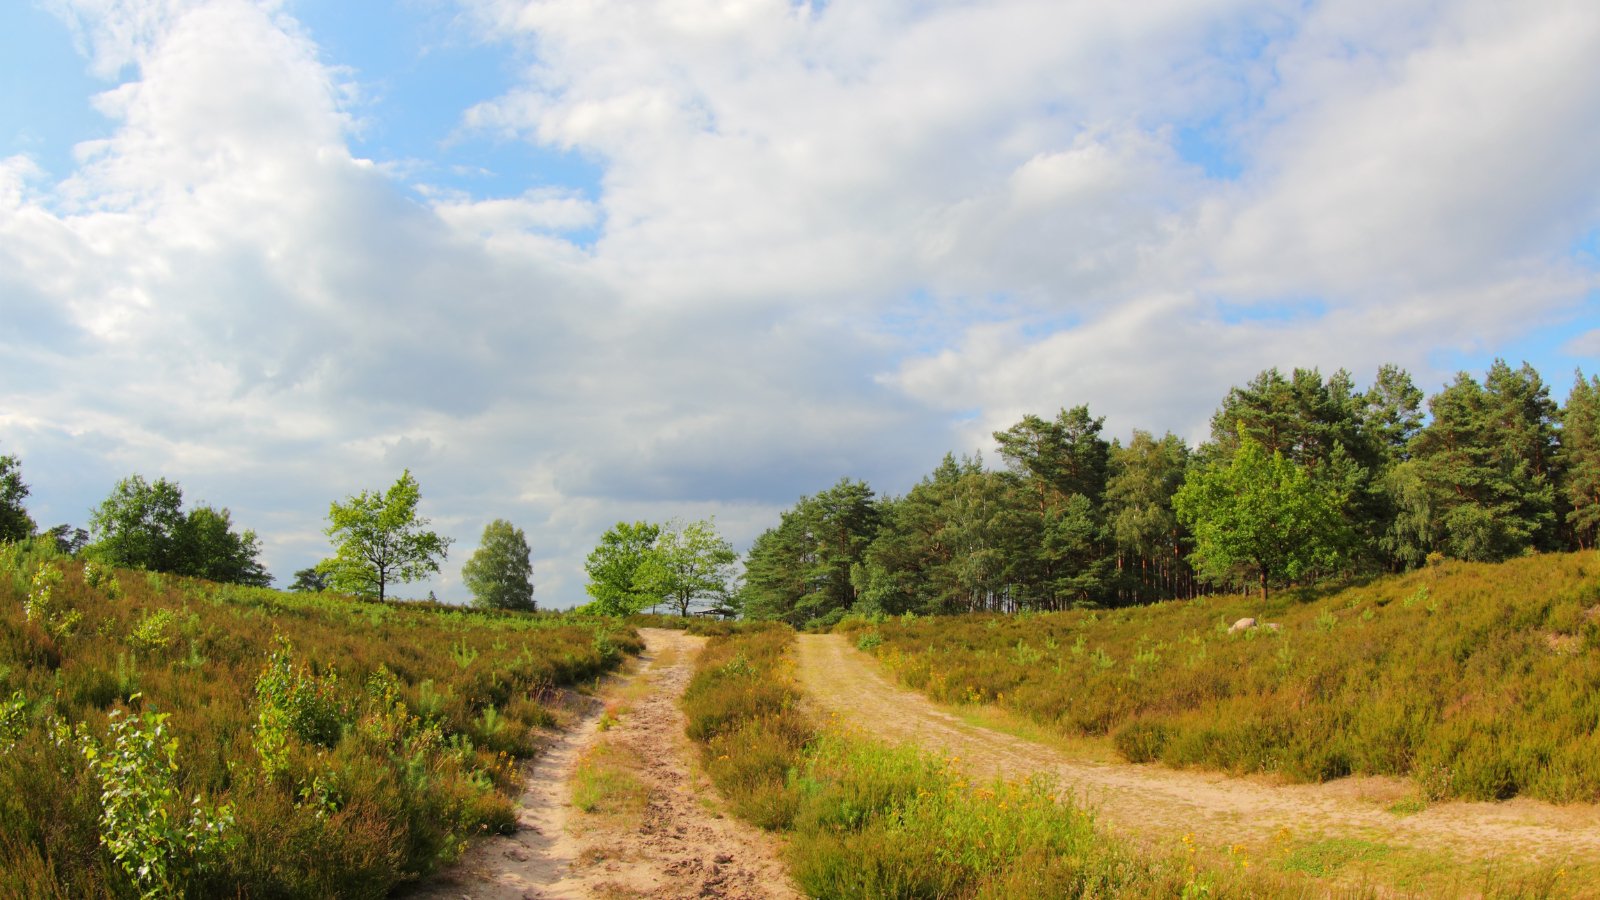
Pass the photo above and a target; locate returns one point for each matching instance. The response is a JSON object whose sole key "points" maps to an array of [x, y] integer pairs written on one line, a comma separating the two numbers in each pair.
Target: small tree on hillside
{"points": [[380, 540], [309, 580], [500, 573], [137, 526], [1263, 515]]}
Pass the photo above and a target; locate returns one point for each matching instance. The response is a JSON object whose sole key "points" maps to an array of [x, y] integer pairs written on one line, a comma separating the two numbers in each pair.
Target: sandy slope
{"points": [[1157, 805], [681, 848]]}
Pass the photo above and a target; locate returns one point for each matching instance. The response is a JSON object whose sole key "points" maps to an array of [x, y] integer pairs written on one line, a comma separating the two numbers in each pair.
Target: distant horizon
{"points": [[573, 265]]}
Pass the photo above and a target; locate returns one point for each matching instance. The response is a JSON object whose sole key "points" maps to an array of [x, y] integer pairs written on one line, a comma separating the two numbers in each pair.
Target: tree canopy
{"points": [[379, 540], [142, 525], [690, 564], [1263, 514], [500, 571], [801, 571], [309, 580], [641, 565], [616, 566]]}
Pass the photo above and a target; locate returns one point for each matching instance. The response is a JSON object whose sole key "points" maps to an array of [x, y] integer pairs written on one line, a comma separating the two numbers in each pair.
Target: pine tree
{"points": [[1580, 457]]}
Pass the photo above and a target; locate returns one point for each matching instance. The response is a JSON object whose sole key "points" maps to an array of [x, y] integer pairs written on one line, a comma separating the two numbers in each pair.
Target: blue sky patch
{"points": [[46, 110], [419, 71]]}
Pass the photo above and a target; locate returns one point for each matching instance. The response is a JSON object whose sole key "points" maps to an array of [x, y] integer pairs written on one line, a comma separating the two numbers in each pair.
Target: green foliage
{"points": [[379, 540], [1144, 478], [46, 606], [801, 570], [1264, 515], [1580, 459], [293, 702], [154, 632], [364, 793], [1478, 681], [15, 523], [617, 569], [142, 526], [500, 574], [679, 565], [160, 842], [690, 564], [1480, 481], [310, 580]]}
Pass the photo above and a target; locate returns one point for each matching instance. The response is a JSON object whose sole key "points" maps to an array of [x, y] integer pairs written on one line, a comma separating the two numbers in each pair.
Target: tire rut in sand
{"points": [[677, 846]]}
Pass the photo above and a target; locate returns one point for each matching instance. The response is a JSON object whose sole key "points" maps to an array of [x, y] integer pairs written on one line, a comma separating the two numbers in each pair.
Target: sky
{"points": [[579, 261]]}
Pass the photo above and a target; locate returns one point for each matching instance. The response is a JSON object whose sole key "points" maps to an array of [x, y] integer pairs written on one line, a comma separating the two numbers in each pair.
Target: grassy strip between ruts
{"points": [[163, 736], [869, 821]]}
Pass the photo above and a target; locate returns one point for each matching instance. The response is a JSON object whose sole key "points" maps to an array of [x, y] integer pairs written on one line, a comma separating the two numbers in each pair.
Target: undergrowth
{"points": [[1478, 681], [162, 736]]}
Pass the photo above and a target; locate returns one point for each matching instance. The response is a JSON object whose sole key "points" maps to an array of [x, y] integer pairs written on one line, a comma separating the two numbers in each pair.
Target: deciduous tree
{"points": [[500, 572], [1262, 515], [379, 540], [142, 525], [690, 563], [614, 566]]}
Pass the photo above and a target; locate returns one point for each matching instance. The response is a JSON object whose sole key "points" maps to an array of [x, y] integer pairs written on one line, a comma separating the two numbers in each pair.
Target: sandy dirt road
{"points": [[680, 846], [1156, 806]]}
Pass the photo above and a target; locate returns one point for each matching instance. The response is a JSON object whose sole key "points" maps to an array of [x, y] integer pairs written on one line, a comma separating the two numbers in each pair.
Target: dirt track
{"points": [[680, 847], [1157, 806]]}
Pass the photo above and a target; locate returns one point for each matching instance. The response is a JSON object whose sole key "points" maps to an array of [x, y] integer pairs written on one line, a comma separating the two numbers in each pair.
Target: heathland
{"points": [[162, 735]]}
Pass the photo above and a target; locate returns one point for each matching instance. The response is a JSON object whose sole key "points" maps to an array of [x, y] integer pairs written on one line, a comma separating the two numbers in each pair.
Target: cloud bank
{"points": [[825, 239]]}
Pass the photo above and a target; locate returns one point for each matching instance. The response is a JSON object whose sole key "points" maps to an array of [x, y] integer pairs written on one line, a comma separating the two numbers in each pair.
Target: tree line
{"points": [[1303, 477], [379, 540]]}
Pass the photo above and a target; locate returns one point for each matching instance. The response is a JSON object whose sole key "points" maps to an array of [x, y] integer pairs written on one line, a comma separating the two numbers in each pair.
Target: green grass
{"points": [[1478, 681], [1324, 858], [344, 747]]}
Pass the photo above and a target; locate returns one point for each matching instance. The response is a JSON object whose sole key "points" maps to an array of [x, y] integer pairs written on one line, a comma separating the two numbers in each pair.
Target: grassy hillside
{"points": [[161, 736], [1479, 681], [866, 820]]}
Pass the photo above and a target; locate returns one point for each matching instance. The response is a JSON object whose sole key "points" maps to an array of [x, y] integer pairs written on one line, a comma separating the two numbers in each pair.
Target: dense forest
{"points": [[1303, 478]]}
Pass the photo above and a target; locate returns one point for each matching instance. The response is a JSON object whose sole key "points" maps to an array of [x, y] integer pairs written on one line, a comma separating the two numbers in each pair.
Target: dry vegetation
{"points": [[1478, 681]]}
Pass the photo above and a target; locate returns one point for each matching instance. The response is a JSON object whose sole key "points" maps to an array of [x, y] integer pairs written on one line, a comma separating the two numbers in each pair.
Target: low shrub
{"points": [[1481, 681], [168, 736]]}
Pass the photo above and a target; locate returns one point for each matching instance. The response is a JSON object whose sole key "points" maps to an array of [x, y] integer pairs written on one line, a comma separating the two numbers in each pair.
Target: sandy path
{"points": [[1157, 805], [681, 847]]}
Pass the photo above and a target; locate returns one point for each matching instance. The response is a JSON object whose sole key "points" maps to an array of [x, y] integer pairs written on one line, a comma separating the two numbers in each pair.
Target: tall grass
{"points": [[338, 747], [1479, 681], [864, 820]]}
